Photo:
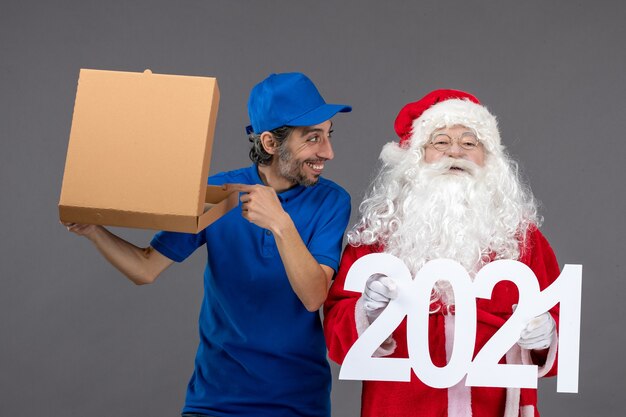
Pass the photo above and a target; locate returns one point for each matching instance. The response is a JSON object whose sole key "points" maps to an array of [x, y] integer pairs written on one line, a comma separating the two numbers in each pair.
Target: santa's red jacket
{"points": [[344, 321]]}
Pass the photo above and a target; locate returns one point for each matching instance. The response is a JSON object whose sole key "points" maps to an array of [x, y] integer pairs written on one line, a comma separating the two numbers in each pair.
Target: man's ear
{"points": [[270, 145]]}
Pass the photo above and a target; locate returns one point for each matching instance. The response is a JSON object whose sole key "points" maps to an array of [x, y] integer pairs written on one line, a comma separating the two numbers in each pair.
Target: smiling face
{"points": [[302, 155], [460, 138]]}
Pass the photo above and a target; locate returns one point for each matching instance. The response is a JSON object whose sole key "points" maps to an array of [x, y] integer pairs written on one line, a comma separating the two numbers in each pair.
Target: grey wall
{"points": [[77, 339]]}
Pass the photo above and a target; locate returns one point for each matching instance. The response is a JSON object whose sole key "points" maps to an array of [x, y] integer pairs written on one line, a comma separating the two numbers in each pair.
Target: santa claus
{"points": [[447, 189]]}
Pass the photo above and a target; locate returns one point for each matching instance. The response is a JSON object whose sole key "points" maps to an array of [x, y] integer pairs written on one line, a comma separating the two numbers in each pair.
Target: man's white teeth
{"points": [[317, 167]]}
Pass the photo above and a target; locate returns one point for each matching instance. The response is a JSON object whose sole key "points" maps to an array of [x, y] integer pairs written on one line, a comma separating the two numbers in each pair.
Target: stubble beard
{"points": [[292, 170]]}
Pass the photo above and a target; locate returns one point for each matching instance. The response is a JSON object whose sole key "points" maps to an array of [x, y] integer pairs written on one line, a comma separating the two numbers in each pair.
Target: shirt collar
{"points": [[284, 196]]}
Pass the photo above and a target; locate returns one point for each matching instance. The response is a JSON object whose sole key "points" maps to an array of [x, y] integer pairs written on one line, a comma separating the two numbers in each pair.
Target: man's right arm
{"points": [[140, 265]]}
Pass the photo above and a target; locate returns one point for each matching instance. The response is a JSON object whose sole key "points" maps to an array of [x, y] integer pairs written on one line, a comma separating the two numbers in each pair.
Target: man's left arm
{"points": [[309, 279]]}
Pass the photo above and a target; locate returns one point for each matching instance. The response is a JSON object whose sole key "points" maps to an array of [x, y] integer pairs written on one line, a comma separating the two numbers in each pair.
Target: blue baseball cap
{"points": [[288, 99]]}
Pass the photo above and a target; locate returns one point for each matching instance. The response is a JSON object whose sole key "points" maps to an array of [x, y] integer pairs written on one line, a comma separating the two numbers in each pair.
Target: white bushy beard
{"points": [[420, 211]]}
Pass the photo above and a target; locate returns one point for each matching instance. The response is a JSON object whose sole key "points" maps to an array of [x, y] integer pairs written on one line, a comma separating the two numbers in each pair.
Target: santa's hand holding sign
{"points": [[446, 190]]}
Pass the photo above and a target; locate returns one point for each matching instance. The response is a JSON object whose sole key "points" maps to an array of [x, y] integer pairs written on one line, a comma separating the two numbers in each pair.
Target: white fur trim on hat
{"points": [[457, 112]]}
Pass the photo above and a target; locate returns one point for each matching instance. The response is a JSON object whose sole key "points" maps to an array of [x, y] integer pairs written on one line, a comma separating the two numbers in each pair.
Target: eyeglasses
{"points": [[442, 142]]}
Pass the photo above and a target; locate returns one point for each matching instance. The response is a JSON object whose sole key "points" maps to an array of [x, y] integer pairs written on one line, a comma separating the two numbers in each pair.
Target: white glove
{"points": [[379, 290], [538, 332]]}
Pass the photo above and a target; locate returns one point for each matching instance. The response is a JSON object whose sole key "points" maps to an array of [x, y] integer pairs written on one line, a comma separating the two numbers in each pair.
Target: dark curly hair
{"points": [[258, 155]]}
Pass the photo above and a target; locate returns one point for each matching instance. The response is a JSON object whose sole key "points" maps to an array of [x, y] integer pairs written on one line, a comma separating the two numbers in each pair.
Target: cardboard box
{"points": [[139, 152]]}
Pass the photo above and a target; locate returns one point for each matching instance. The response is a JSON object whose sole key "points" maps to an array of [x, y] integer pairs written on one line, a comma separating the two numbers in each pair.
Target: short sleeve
{"points": [[325, 245], [177, 246]]}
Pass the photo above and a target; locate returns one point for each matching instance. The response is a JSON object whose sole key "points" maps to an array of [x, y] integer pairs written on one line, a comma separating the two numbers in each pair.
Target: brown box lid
{"points": [[139, 152]]}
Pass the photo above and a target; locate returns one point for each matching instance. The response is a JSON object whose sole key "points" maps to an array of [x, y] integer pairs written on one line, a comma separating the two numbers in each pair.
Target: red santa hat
{"points": [[440, 108]]}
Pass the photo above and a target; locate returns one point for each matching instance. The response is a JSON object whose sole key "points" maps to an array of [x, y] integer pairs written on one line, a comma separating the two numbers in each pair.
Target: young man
{"points": [[270, 262], [446, 190]]}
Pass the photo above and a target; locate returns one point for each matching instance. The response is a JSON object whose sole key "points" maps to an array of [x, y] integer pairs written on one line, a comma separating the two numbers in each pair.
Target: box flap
{"points": [[218, 202]]}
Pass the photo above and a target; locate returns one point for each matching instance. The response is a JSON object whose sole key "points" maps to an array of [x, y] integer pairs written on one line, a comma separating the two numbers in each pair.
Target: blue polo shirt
{"points": [[261, 352]]}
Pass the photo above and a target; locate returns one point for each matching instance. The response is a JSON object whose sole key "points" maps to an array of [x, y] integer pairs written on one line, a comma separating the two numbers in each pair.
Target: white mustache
{"points": [[445, 164]]}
